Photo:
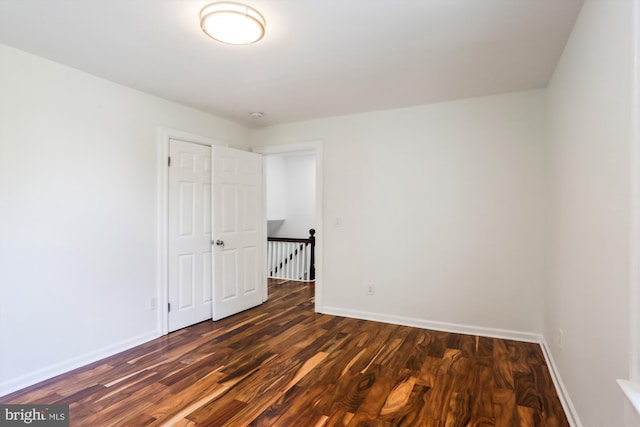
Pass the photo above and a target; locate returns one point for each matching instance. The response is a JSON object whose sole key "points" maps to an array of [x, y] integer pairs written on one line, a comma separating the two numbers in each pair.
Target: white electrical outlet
{"points": [[371, 289], [153, 303], [560, 337]]}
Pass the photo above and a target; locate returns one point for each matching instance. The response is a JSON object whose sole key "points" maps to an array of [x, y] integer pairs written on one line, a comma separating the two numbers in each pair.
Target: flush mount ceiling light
{"points": [[232, 23]]}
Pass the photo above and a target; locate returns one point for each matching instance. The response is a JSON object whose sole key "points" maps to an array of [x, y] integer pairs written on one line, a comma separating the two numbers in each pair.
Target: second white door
{"points": [[237, 231]]}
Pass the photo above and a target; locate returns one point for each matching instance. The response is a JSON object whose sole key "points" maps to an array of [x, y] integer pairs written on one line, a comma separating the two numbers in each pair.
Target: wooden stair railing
{"points": [[292, 258]]}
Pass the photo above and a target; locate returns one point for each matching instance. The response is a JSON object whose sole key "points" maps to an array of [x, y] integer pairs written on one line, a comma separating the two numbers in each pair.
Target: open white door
{"points": [[189, 212], [237, 231]]}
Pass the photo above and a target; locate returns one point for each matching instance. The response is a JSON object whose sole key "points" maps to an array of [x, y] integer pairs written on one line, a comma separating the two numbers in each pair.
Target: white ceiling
{"points": [[318, 58]]}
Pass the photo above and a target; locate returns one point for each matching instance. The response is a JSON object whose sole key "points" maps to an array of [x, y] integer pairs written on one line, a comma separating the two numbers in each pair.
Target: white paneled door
{"points": [[190, 285], [237, 231]]}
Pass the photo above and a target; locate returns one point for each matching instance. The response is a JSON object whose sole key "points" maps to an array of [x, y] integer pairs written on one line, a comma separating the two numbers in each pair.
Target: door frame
{"points": [[162, 244], [316, 148]]}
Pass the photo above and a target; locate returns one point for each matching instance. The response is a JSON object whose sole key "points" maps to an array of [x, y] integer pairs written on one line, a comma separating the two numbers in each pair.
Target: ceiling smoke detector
{"points": [[256, 115]]}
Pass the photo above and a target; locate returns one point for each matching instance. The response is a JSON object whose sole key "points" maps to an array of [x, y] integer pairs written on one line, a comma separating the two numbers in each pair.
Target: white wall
{"points": [[294, 188], [588, 288], [276, 194], [441, 206], [78, 213]]}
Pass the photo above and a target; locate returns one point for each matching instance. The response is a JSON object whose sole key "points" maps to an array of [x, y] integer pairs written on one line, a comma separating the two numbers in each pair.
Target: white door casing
{"points": [[237, 231], [189, 234]]}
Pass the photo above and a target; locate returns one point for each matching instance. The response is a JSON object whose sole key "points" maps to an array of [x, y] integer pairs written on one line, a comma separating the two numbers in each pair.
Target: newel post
{"points": [[312, 263]]}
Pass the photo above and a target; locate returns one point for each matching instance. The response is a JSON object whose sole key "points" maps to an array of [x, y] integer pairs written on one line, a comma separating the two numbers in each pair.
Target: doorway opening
{"points": [[293, 207], [290, 204]]}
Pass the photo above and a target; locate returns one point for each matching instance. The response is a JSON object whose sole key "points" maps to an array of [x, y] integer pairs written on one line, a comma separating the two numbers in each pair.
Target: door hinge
{"points": [[169, 162], [169, 307]]}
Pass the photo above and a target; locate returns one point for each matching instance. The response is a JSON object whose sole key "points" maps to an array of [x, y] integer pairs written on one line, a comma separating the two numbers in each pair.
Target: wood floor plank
{"points": [[482, 411], [459, 414], [281, 364], [505, 408], [502, 365], [293, 408], [399, 396], [167, 405], [528, 417]]}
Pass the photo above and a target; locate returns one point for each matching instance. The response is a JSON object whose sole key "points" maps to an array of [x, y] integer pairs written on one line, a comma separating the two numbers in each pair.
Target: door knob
{"points": [[219, 243]]}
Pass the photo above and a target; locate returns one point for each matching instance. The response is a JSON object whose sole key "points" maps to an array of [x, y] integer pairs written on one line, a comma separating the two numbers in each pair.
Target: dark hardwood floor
{"points": [[281, 364]]}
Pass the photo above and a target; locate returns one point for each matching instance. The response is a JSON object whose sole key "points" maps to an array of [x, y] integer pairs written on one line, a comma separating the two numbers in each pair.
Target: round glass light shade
{"points": [[232, 23]]}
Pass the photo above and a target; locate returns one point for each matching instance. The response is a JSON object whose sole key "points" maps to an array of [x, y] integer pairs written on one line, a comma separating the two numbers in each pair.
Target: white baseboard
{"points": [[18, 383], [435, 325], [567, 405]]}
